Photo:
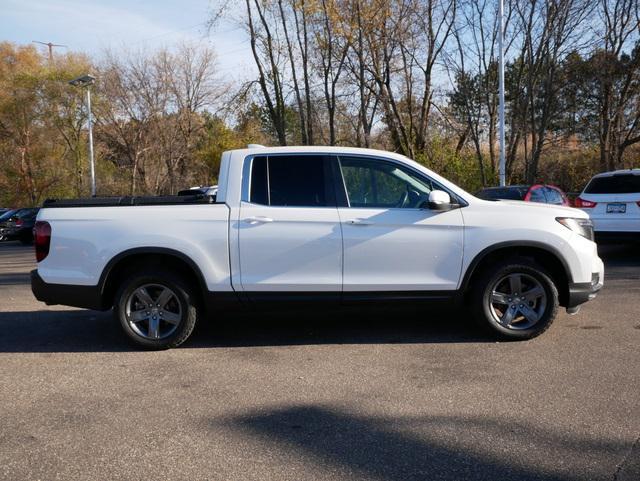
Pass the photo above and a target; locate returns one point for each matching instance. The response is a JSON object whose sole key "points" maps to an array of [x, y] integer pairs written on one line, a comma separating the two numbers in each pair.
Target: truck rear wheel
{"points": [[156, 309], [516, 299]]}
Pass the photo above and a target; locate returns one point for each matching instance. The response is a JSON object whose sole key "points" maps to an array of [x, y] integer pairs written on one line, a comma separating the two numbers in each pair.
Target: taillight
{"points": [[42, 239], [584, 204]]}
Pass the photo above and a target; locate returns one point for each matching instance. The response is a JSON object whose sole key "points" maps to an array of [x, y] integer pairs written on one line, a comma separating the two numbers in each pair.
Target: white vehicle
{"points": [[304, 224], [612, 200]]}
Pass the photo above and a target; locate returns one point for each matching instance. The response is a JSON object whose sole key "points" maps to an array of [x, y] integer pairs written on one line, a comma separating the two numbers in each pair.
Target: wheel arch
{"points": [[125, 261], [546, 255]]}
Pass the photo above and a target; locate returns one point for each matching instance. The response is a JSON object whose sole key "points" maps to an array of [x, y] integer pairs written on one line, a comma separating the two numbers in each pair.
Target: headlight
{"points": [[584, 227]]}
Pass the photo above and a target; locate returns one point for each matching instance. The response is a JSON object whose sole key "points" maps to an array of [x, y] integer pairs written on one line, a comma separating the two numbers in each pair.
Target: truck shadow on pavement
{"points": [[92, 331], [355, 446]]}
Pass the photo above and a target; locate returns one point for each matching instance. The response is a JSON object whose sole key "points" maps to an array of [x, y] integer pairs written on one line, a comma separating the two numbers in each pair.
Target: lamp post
{"points": [[87, 81], [502, 170]]}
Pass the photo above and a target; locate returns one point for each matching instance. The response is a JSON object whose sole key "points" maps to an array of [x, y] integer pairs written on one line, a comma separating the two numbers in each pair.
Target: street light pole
{"points": [[87, 81], [91, 160], [502, 169]]}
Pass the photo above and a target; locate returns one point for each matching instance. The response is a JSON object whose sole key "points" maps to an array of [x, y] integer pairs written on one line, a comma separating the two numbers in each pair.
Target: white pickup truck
{"points": [[304, 224]]}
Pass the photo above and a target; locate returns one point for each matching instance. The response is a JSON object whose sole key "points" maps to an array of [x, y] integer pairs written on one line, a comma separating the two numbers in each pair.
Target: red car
{"points": [[543, 193]]}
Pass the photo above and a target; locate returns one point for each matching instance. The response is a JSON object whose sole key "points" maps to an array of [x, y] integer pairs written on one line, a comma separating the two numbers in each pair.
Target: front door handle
{"points": [[359, 222], [258, 219]]}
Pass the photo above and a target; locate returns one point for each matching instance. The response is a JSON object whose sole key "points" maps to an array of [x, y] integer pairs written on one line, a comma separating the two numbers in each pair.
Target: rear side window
{"points": [[537, 195], [259, 190], [553, 196], [291, 181], [26, 213], [615, 184]]}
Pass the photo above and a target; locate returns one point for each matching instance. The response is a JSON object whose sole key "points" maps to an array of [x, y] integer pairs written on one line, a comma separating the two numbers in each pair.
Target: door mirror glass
{"points": [[439, 200]]}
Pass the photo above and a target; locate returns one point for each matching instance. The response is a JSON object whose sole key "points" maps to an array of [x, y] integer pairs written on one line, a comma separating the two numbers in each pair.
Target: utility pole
{"points": [[50, 45], [86, 81], [502, 169]]}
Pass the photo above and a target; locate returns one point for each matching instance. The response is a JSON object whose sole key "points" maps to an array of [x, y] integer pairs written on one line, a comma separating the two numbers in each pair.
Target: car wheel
{"points": [[157, 310], [516, 299]]}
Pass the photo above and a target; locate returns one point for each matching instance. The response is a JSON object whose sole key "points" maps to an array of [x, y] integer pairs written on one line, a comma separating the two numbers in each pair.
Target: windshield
{"points": [[7, 214]]}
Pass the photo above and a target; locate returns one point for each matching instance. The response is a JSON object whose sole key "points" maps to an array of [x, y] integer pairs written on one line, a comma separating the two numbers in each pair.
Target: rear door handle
{"points": [[259, 219], [359, 222]]}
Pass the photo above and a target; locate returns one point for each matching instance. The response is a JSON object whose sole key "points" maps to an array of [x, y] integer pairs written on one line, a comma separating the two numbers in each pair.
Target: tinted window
{"points": [[259, 193], [375, 183], [510, 193], [292, 181], [615, 184], [27, 213], [537, 195]]}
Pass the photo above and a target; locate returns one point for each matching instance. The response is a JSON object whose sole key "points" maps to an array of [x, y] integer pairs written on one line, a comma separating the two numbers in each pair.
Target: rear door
{"points": [[290, 238], [391, 242]]}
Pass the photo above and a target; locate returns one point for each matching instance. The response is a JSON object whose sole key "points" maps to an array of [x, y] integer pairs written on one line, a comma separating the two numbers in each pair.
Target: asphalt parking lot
{"points": [[408, 396]]}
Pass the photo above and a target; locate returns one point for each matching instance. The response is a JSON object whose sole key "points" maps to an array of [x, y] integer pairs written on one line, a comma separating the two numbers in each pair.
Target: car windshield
{"points": [[614, 184], [8, 214], [512, 193]]}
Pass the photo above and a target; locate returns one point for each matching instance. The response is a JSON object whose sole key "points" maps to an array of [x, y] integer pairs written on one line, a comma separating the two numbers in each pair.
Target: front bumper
{"points": [[581, 292], [87, 297]]}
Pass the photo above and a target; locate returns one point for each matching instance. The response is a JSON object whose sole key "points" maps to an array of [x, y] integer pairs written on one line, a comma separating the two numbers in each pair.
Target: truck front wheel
{"points": [[156, 309], [515, 298]]}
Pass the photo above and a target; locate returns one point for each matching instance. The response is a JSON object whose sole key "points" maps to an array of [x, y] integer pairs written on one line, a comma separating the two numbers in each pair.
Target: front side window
{"points": [[379, 184], [290, 181]]}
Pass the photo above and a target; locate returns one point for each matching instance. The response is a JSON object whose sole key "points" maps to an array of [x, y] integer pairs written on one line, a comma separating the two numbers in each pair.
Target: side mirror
{"points": [[439, 200]]}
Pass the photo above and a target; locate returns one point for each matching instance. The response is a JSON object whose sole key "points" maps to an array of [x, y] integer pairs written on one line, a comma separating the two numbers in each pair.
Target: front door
{"points": [[289, 229], [391, 242]]}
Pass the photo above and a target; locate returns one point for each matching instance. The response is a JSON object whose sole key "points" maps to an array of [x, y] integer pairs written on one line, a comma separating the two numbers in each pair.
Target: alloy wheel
{"points": [[517, 301], [153, 311]]}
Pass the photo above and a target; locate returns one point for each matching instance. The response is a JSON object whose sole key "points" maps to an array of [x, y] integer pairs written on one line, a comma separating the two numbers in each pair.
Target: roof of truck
{"points": [[320, 149]]}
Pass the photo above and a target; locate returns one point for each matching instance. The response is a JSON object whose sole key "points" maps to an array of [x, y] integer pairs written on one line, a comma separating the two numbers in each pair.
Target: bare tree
{"points": [[266, 50]]}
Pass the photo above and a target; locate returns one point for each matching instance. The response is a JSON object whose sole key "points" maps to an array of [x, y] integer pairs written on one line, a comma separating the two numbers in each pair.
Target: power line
{"points": [[183, 29]]}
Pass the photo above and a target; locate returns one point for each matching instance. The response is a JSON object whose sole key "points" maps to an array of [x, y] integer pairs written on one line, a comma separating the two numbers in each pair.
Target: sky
{"points": [[92, 26]]}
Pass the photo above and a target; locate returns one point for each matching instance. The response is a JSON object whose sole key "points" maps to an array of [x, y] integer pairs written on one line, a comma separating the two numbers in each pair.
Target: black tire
{"points": [[493, 315], [183, 301]]}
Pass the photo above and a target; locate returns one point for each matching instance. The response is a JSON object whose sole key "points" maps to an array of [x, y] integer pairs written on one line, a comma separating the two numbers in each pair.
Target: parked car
{"points": [[4, 217], [19, 225], [4, 210], [612, 200], [543, 193], [333, 225]]}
